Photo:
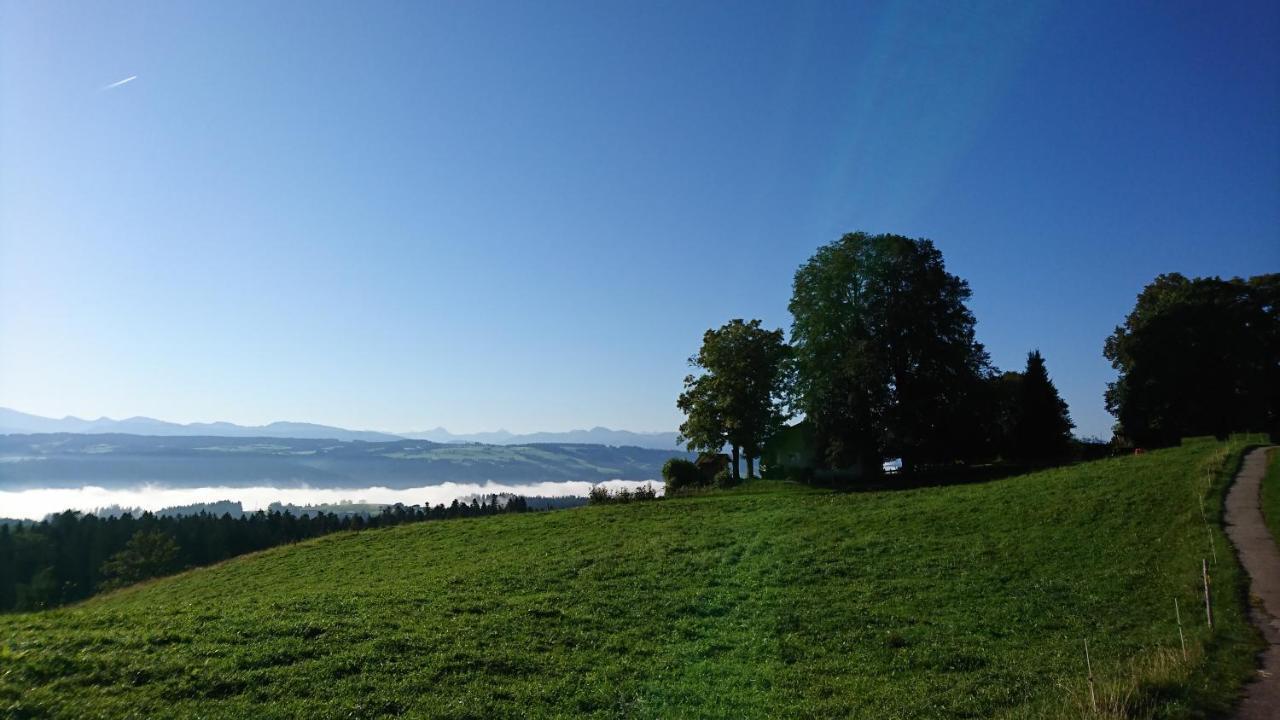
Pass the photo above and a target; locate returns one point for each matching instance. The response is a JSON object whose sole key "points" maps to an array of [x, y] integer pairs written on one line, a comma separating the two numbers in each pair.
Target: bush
{"points": [[678, 474], [601, 495], [724, 479]]}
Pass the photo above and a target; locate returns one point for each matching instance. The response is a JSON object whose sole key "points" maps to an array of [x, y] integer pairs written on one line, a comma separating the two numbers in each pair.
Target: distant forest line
{"points": [[71, 556]]}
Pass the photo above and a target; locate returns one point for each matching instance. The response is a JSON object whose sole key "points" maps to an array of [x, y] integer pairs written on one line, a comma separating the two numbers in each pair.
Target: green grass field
{"points": [[772, 600]]}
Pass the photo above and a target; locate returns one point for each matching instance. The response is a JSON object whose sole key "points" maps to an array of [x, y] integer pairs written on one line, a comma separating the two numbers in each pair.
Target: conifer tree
{"points": [[1042, 423]]}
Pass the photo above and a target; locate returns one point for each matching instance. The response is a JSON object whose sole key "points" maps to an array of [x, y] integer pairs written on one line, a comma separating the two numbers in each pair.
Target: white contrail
{"points": [[118, 83]]}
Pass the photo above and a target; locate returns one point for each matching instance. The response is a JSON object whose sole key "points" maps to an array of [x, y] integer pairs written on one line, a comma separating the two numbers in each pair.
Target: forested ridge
{"points": [[70, 556]]}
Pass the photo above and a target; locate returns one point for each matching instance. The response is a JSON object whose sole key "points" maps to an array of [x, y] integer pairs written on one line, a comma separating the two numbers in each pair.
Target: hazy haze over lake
{"points": [[34, 504]]}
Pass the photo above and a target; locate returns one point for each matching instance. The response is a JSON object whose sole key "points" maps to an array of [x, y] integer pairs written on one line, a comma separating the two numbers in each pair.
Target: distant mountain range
{"points": [[14, 422]]}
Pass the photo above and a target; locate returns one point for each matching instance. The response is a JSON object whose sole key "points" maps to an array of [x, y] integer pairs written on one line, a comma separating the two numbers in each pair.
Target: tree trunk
{"points": [[736, 474], [751, 467]]}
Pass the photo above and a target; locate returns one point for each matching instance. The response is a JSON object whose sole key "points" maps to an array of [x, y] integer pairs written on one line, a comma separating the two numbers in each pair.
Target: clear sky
{"points": [[524, 215]]}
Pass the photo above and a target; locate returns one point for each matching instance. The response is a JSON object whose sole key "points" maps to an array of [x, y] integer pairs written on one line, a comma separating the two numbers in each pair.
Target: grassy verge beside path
{"points": [[1271, 493]]}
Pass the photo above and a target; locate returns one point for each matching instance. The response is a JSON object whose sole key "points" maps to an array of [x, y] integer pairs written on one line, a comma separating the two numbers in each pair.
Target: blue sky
{"points": [[524, 215]]}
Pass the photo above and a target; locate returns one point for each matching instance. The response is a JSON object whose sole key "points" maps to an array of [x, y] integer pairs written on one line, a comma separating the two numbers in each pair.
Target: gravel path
{"points": [[1261, 559]]}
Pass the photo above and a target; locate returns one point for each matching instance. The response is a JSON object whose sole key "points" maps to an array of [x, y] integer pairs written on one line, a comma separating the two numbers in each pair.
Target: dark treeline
{"points": [[70, 556], [883, 363]]}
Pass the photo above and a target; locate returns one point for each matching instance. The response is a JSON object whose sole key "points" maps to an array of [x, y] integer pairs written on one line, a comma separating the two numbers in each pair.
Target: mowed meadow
{"points": [[770, 600]]}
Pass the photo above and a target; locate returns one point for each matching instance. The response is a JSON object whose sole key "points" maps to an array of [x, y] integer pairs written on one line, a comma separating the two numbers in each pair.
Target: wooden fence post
{"points": [[1208, 609], [1093, 696], [1181, 638]]}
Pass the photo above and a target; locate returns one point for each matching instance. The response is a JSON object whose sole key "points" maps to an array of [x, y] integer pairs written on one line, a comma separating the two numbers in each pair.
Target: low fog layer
{"points": [[36, 504]]}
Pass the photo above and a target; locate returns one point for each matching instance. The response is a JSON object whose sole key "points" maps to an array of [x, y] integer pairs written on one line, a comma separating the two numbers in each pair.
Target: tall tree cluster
{"points": [[883, 363], [1197, 356]]}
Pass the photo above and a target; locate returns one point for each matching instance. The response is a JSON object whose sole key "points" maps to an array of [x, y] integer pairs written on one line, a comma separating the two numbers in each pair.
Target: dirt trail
{"points": [[1261, 559]]}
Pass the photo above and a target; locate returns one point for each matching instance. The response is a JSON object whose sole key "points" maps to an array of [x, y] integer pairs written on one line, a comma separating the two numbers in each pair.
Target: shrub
{"points": [[678, 474], [724, 479], [709, 464], [601, 495]]}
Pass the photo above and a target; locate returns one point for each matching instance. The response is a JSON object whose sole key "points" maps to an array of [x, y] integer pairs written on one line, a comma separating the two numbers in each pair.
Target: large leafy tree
{"points": [[1041, 420], [1197, 356], [739, 397], [885, 356]]}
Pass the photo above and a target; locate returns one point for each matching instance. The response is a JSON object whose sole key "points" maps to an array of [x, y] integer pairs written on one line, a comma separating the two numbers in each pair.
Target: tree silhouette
{"points": [[1197, 357], [1041, 422]]}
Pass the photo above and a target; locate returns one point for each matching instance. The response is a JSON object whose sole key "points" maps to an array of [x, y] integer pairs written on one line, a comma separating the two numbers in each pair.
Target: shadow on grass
{"points": [[939, 476], [933, 477]]}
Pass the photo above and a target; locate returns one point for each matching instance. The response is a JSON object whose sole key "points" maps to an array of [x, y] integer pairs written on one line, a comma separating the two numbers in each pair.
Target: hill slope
{"points": [[772, 600]]}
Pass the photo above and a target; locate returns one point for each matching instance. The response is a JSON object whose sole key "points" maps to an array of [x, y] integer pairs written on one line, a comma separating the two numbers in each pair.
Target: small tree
{"points": [[148, 554], [739, 399], [1041, 421], [599, 495]]}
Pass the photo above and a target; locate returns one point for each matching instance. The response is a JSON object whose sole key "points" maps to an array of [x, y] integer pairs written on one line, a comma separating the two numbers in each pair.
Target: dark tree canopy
{"points": [[1198, 356], [996, 414], [1041, 428], [148, 554], [886, 360], [739, 399]]}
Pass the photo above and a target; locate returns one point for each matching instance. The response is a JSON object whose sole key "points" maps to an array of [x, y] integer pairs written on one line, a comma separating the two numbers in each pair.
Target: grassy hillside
{"points": [[772, 600]]}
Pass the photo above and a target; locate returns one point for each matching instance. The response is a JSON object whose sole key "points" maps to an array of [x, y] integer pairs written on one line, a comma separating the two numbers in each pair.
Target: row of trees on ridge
{"points": [[882, 362]]}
